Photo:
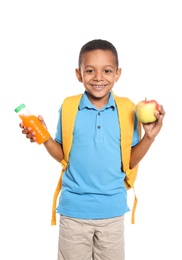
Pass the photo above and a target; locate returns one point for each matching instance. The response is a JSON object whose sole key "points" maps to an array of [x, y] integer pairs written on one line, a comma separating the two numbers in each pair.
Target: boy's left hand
{"points": [[152, 129]]}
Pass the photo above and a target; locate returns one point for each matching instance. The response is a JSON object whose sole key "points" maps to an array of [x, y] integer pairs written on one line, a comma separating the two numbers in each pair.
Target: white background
{"points": [[39, 46]]}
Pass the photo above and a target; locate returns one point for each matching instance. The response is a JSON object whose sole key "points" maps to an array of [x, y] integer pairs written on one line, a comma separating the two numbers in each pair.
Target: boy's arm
{"points": [[54, 149], [151, 131], [140, 150]]}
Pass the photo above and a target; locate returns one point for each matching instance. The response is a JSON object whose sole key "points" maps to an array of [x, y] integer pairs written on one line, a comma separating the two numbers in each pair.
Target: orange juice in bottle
{"points": [[32, 121]]}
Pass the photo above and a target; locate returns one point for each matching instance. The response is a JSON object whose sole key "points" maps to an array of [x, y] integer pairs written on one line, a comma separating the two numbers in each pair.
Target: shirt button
{"points": [[98, 113], [98, 127]]}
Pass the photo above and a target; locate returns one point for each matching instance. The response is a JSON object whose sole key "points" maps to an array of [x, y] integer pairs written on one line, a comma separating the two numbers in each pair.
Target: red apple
{"points": [[145, 110]]}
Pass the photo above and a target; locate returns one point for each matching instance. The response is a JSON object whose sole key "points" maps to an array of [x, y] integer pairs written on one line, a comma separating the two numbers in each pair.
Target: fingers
{"points": [[161, 110], [27, 131], [31, 136], [160, 113], [40, 118], [21, 125]]}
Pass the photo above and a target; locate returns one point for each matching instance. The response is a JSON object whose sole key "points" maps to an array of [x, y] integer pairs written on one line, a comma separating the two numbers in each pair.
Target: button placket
{"points": [[99, 138]]}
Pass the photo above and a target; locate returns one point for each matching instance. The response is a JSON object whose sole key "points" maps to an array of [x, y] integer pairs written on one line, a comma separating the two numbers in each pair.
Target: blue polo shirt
{"points": [[93, 184]]}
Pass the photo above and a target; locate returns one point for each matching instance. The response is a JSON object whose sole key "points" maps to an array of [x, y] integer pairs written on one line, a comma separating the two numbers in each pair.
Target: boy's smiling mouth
{"points": [[98, 86]]}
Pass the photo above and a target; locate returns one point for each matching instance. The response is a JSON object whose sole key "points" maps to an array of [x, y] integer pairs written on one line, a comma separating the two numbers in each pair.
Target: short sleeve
{"points": [[58, 135]]}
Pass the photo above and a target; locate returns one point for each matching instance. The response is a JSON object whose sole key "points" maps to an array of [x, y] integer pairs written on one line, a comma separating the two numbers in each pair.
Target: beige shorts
{"points": [[81, 239]]}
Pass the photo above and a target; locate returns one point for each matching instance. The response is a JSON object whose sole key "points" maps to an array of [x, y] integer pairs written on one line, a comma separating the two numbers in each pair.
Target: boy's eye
{"points": [[89, 71], [107, 71]]}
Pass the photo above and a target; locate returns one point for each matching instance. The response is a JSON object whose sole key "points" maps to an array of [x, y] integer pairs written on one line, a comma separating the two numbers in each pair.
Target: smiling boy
{"points": [[93, 199]]}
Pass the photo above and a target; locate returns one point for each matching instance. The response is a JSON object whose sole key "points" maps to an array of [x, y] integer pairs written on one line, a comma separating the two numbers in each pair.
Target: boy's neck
{"points": [[99, 103]]}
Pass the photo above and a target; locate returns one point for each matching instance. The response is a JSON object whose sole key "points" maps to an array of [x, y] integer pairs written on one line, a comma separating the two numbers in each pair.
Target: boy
{"points": [[93, 199]]}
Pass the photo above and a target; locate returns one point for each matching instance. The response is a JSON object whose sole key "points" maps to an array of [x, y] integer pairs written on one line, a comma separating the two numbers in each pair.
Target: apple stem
{"points": [[145, 99]]}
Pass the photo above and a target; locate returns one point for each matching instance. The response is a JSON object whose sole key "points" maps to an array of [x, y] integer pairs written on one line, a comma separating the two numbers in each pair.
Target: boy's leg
{"points": [[75, 240], [109, 239]]}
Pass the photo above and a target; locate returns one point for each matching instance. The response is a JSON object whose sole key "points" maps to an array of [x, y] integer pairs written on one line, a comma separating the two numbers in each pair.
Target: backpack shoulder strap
{"points": [[68, 114], [69, 111], [126, 118]]}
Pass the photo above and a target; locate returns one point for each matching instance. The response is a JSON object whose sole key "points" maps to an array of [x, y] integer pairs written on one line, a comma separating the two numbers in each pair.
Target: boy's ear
{"points": [[118, 74], [78, 75]]}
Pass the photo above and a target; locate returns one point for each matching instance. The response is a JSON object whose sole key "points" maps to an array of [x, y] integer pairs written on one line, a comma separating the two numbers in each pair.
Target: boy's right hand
{"points": [[27, 131]]}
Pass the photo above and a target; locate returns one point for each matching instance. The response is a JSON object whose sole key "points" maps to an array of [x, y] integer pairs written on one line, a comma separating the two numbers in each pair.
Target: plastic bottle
{"points": [[32, 121]]}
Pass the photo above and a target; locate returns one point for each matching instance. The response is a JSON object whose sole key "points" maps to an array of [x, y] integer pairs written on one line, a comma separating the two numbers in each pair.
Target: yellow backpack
{"points": [[126, 118]]}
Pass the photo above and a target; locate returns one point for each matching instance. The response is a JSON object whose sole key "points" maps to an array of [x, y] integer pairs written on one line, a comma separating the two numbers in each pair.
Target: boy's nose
{"points": [[98, 75]]}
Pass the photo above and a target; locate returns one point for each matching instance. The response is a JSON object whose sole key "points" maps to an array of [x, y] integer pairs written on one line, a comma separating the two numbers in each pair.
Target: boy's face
{"points": [[98, 72]]}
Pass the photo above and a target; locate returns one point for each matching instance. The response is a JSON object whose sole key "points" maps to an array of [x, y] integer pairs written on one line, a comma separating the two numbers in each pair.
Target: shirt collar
{"points": [[85, 102]]}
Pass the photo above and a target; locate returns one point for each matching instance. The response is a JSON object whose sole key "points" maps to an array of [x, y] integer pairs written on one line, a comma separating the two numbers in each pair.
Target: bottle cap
{"points": [[19, 108]]}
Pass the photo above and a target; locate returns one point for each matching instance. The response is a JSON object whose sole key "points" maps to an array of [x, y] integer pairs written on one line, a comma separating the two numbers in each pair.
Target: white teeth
{"points": [[98, 86]]}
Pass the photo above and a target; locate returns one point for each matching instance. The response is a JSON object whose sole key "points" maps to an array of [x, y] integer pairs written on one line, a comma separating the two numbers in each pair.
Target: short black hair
{"points": [[98, 44]]}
